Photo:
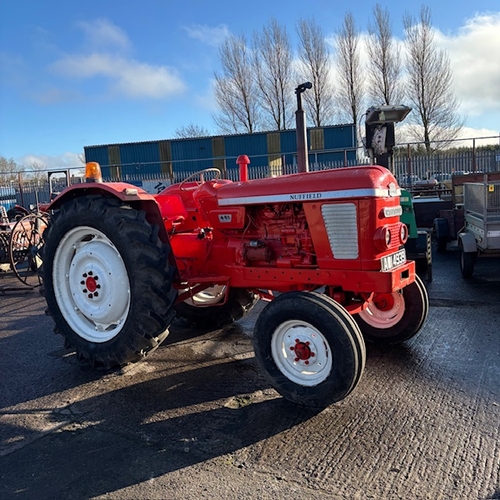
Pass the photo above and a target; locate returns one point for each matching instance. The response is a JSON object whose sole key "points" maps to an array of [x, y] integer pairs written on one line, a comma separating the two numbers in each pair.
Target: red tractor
{"points": [[326, 249]]}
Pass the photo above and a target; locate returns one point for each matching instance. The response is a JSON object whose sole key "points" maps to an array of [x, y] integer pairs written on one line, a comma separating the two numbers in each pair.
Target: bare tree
{"points": [[38, 171], [235, 89], [315, 67], [350, 90], [273, 71], [384, 64], [191, 130], [8, 169], [435, 116]]}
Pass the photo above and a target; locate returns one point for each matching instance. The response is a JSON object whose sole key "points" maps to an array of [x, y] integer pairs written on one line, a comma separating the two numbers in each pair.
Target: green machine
{"points": [[418, 247]]}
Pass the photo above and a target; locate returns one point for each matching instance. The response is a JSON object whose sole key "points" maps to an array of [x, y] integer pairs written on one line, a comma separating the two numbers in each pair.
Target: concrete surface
{"points": [[198, 421]]}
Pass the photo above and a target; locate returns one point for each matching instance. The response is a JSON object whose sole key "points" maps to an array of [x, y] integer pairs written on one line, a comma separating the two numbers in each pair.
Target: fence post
{"points": [[20, 183], [408, 163], [474, 166]]}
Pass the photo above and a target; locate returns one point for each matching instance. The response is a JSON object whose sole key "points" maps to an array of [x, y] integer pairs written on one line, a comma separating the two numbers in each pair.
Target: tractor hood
{"points": [[360, 182]]}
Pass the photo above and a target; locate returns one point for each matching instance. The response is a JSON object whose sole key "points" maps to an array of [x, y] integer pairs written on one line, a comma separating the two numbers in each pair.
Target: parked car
{"points": [[408, 180], [414, 182]]}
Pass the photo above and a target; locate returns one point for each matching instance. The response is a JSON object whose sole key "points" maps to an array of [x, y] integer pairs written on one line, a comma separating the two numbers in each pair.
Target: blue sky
{"points": [[74, 74]]}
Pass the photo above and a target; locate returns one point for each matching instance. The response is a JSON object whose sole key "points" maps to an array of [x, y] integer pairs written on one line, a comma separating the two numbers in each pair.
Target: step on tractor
{"points": [[325, 249]]}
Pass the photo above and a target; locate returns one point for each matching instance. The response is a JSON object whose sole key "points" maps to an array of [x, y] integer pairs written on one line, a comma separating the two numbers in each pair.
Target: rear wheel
{"points": [[309, 348], [202, 308], [107, 281], [467, 263], [395, 317]]}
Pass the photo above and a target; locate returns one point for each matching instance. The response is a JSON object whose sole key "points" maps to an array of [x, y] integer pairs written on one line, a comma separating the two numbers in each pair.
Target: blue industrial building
{"points": [[274, 150]]}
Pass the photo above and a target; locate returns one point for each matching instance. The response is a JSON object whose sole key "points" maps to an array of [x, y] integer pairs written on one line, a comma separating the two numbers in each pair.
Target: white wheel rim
{"points": [[91, 284], [301, 353], [207, 297], [381, 316]]}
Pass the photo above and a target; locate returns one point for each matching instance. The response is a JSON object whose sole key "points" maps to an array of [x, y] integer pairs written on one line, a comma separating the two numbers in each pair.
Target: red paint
{"points": [[91, 284]]}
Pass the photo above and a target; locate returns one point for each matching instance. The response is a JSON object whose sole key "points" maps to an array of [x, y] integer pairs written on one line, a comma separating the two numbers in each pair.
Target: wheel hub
{"points": [[302, 351], [384, 301], [91, 285], [385, 311]]}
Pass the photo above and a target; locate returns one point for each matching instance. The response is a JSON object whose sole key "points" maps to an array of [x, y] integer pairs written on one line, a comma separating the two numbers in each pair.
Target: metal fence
{"points": [[443, 165]]}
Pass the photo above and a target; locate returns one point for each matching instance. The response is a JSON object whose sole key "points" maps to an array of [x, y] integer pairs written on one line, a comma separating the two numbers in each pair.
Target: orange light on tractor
{"points": [[93, 172]]}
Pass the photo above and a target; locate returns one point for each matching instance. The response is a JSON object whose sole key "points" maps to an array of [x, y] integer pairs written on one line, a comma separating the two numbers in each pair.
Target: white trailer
{"points": [[481, 232]]}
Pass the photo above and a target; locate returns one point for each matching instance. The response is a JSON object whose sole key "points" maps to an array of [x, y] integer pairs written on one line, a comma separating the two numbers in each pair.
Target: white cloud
{"points": [[483, 136], [48, 162], [105, 57], [103, 33], [127, 77], [474, 55], [207, 35]]}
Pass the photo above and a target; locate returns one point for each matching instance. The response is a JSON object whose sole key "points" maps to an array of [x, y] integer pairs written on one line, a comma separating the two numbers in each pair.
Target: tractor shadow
{"points": [[185, 405], [145, 430]]}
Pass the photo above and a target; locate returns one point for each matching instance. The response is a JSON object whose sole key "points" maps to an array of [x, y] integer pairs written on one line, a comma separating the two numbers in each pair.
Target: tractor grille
{"points": [[395, 238], [341, 227]]}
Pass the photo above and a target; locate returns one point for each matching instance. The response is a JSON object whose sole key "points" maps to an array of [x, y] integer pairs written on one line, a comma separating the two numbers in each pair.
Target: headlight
{"points": [[403, 233], [382, 238]]}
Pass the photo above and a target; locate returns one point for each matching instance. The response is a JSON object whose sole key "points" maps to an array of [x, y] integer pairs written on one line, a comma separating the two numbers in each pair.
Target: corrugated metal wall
{"points": [[274, 149], [252, 145]]}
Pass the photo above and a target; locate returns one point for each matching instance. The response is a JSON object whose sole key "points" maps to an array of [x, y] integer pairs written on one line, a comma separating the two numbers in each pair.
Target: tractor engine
{"points": [[278, 236], [323, 228]]}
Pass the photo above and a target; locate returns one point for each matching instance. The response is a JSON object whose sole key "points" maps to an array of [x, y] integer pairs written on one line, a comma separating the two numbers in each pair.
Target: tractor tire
{"points": [[309, 348], [239, 302], [397, 317], [107, 281], [467, 263]]}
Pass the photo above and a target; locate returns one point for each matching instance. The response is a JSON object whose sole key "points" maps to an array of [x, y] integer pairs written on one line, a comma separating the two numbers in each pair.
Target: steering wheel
{"points": [[199, 174]]}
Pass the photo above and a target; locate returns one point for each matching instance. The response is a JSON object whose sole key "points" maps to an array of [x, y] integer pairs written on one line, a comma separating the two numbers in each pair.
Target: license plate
{"points": [[394, 260]]}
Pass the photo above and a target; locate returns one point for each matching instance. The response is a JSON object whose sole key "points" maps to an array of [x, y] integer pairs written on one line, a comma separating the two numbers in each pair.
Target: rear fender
{"points": [[131, 195], [468, 242]]}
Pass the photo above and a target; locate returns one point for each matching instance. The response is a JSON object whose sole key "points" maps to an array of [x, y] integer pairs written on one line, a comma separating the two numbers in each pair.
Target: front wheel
{"points": [[392, 318], [310, 349], [107, 281]]}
